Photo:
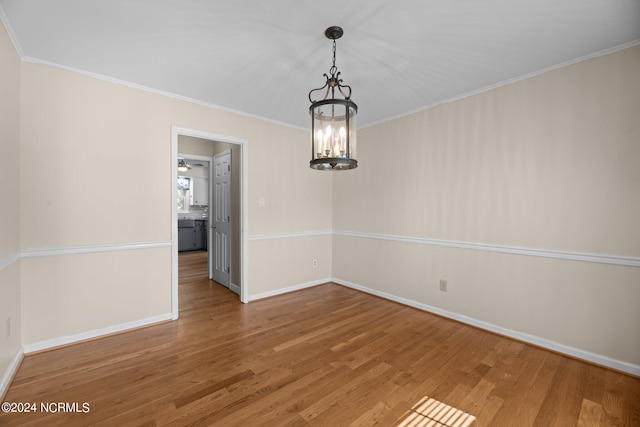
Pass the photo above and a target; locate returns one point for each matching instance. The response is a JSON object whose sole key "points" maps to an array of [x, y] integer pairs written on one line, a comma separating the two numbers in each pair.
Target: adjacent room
{"points": [[328, 214]]}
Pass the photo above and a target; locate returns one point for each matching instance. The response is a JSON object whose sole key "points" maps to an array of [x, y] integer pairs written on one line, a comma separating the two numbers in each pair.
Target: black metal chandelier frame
{"points": [[324, 154]]}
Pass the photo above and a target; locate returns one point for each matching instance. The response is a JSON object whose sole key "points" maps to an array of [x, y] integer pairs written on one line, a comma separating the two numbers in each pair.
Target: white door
{"points": [[220, 248]]}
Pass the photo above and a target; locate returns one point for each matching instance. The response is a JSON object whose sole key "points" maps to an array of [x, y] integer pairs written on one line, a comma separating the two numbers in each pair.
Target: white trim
{"points": [[290, 235], [244, 225], [75, 250], [114, 80], [12, 35], [506, 82], [174, 222], [288, 289], [244, 207], [8, 260], [514, 250], [520, 336], [96, 333], [11, 370], [88, 249]]}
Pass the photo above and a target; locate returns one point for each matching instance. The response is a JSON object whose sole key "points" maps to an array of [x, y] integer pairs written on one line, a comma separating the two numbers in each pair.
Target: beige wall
{"points": [[550, 162], [296, 268], [80, 293], [9, 206], [78, 133], [9, 146]]}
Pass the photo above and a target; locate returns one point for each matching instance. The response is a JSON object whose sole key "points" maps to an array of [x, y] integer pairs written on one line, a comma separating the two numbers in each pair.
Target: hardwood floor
{"points": [[324, 356]]}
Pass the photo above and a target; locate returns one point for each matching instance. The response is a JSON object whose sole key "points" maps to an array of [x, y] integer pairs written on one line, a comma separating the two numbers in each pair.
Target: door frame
{"points": [[176, 131]]}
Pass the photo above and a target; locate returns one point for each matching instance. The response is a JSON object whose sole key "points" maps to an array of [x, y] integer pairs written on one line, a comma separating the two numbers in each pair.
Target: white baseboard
{"points": [[70, 339], [287, 289], [520, 336], [9, 373]]}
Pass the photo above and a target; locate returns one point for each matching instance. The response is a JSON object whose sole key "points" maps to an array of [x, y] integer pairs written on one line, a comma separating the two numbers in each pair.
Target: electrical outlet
{"points": [[314, 263], [443, 285]]}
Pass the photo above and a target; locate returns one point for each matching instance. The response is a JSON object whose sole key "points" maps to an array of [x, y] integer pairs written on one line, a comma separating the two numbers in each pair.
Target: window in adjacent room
{"points": [[184, 187]]}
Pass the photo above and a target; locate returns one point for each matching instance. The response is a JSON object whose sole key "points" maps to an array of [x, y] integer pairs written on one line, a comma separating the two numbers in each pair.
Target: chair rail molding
{"points": [[9, 259], [515, 250]]}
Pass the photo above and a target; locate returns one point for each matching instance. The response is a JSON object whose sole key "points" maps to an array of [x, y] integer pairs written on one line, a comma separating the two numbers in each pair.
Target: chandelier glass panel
{"points": [[333, 120]]}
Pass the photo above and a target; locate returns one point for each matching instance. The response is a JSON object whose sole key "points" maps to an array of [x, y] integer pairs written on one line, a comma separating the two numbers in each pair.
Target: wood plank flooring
{"points": [[324, 356]]}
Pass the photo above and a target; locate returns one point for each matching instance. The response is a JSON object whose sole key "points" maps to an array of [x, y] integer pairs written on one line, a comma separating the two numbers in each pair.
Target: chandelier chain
{"points": [[333, 81], [333, 67]]}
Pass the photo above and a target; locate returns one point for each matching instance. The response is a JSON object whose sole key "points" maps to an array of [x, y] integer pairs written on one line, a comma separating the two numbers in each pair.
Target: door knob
{"points": [[213, 226]]}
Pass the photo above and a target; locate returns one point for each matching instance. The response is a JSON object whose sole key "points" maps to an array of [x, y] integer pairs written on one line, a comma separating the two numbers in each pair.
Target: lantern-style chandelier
{"points": [[333, 120]]}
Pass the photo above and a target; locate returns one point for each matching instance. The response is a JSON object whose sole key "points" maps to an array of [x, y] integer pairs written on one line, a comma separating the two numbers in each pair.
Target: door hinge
{"points": [[228, 168]]}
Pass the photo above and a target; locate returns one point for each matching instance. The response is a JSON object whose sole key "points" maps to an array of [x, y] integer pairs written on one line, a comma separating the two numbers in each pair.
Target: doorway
{"points": [[238, 217]]}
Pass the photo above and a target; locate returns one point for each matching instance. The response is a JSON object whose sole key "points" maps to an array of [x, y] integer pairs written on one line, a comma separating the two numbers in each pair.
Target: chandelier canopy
{"points": [[333, 120]]}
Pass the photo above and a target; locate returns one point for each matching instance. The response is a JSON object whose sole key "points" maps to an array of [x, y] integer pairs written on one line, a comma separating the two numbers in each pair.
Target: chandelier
{"points": [[333, 120]]}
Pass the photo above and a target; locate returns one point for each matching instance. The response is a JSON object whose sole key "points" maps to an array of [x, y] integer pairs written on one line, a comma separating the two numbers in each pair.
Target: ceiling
{"points": [[263, 57]]}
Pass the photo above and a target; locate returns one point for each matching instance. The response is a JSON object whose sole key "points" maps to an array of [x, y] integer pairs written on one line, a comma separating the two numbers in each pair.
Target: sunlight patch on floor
{"points": [[429, 412]]}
